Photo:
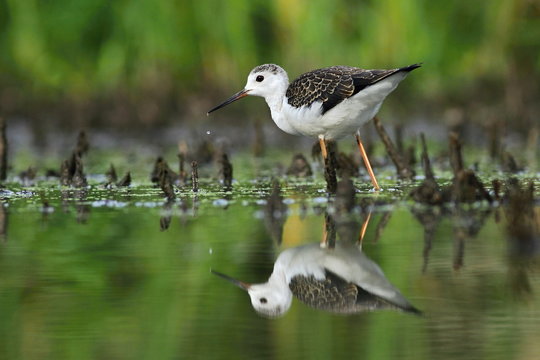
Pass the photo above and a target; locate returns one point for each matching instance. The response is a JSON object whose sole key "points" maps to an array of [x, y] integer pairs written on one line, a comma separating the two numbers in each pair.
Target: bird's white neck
{"points": [[278, 278], [276, 284], [276, 102]]}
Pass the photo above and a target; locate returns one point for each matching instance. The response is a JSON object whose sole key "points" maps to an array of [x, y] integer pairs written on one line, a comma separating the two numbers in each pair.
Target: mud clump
{"points": [[275, 212], [3, 150], [72, 172], [299, 167], [466, 186], [194, 176], [162, 168], [125, 180], [112, 178], [404, 171], [428, 192], [226, 171], [344, 201]]}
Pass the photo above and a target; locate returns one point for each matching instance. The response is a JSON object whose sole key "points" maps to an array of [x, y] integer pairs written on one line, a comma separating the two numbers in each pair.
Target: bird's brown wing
{"points": [[330, 294], [334, 84], [334, 294]]}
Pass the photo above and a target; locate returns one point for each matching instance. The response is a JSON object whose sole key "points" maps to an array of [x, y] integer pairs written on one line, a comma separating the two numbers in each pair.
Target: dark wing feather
{"points": [[331, 294], [337, 295], [334, 84]]}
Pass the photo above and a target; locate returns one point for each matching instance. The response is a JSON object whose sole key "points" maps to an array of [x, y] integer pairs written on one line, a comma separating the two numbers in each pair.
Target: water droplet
{"points": [[208, 132]]}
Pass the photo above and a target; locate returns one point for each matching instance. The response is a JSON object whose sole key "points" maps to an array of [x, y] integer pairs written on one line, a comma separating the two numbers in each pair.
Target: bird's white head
{"points": [[271, 299], [268, 81]]}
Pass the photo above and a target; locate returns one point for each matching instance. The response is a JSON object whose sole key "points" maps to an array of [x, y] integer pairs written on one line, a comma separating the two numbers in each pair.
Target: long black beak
{"points": [[240, 284], [233, 98]]}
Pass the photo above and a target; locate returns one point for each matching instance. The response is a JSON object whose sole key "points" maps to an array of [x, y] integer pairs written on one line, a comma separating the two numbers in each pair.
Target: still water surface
{"points": [[93, 278]]}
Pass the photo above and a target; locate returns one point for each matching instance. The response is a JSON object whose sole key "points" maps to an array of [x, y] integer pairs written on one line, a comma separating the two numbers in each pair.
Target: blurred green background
{"points": [[151, 61]]}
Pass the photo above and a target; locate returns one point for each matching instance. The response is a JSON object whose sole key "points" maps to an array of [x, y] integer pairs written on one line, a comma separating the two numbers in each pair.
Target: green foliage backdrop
{"points": [[84, 49]]}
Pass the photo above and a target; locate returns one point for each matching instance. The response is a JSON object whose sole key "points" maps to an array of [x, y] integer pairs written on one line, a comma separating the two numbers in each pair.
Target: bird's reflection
{"points": [[332, 276]]}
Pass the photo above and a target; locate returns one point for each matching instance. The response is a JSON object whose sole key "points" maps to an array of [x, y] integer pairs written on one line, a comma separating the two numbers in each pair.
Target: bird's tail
{"points": [[410, 67]]}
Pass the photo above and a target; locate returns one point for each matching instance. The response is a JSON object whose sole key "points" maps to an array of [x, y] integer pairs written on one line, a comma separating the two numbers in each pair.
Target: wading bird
{"points": [[327, 103]]}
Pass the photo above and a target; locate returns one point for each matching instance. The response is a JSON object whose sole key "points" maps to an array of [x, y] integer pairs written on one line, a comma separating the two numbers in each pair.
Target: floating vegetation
{"points": [[339, 192]]}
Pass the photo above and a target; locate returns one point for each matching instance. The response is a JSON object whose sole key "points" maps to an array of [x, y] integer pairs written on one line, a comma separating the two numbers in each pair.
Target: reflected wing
{"points": [[334, 84], [335, 294]]}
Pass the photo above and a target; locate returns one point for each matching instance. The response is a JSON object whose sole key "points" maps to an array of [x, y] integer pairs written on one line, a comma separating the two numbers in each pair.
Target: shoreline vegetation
{"points": [[94, 63]]}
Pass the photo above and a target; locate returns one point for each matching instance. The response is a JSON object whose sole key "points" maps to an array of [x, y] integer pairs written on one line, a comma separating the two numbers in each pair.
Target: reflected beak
{"points": [[233, 98], [240, 284]]}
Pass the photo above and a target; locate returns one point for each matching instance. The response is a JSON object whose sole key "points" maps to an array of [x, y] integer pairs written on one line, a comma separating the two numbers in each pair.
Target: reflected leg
{"points": [[363, 230]]}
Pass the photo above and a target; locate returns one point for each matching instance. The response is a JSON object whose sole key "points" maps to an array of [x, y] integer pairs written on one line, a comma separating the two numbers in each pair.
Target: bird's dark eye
{"points": [[263, 300], [259, 79]]}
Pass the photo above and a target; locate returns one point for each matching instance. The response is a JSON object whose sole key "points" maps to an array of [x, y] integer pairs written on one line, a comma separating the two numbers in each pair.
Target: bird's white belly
{"points": [[343, 119]]}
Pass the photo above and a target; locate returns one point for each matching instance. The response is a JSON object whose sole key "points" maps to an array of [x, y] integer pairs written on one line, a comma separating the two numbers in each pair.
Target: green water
{"points": [[118, 274]]}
